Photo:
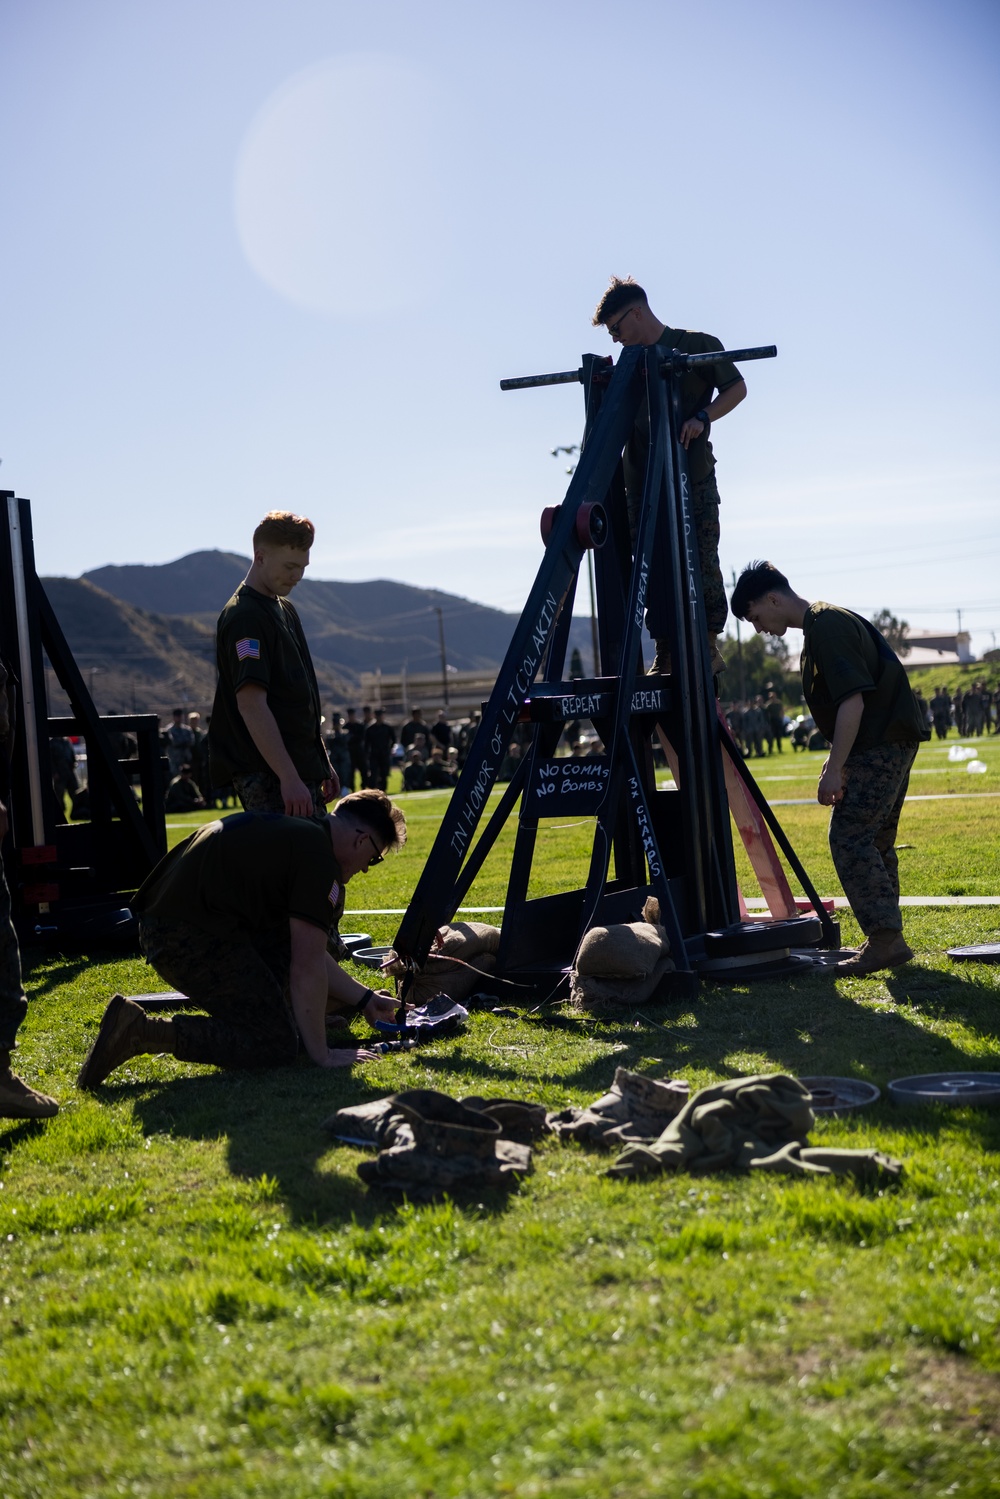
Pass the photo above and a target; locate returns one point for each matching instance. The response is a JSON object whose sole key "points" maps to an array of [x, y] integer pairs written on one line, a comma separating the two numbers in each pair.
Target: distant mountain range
{"points": [[145, 635]]}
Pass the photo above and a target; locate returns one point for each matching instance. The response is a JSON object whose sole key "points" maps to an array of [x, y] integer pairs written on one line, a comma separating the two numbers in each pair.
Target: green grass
{"points": [[950, 848], [930, 678], [198, 1297]]}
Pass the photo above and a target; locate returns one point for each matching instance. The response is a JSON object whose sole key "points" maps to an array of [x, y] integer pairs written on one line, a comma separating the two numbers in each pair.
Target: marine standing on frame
{"points": [[707, 394], [860, 696], [265, 734]]}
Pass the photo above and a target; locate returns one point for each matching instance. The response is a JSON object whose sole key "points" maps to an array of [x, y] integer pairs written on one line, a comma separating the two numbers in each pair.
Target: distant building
{"points": [[934, 648], [398, 692]]}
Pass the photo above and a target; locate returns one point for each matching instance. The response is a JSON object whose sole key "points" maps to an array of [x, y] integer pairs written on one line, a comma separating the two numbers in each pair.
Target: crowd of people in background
{"points": [[364, 747], [430, 755], [973, 713], [759, 725]]}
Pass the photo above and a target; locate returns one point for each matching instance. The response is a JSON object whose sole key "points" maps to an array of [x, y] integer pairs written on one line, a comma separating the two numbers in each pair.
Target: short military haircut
{"points": [[619, 295], [374, 810], [754, 581], [282, 528]]}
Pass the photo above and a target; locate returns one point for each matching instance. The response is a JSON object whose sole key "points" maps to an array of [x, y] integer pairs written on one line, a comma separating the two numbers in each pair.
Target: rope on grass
{"points": [[444, 957], [521, 1050], [657, 1026]]}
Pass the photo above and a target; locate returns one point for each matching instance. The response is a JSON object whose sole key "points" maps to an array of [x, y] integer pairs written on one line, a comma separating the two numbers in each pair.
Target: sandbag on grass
{"points": [[620, 966]]}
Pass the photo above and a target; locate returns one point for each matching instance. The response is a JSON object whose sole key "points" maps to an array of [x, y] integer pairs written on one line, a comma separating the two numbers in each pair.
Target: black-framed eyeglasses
{"points": [[613, 328], [378, 855]]}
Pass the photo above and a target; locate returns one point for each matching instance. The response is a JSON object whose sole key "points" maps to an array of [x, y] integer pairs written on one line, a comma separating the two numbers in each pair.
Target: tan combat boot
{"points": [[125, 1031], [17, 1100], [885, 948]]}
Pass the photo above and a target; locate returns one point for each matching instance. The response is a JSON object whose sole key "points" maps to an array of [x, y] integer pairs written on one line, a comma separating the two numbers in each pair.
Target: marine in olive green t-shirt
{"points": [[247, 874], [843, 654], [697, 387], [260, 641]]}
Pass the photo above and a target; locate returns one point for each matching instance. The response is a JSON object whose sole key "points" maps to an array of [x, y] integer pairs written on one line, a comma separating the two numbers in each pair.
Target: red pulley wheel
{"points": [[591, 525], [548, 521]]}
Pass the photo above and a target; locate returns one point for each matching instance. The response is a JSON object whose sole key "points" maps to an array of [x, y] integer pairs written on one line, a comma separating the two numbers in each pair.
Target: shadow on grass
{"points": [[970, 995], [271, 1122], [14, 1131], [807, 1026], [44, 971]]}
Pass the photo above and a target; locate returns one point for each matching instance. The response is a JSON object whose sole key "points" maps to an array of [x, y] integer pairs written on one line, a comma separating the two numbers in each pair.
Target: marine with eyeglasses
{"points": [[237, 918]]}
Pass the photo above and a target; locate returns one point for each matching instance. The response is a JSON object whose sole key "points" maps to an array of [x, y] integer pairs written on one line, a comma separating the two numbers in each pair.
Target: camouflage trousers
{"points": [[705, 522], [13, 1004], [705, 515], [863, 833], [260, 791], [241, 981]]}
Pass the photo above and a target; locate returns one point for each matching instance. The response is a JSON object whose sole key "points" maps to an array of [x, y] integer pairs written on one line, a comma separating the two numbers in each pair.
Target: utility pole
{"points": [[593, 614], [444, 659]]}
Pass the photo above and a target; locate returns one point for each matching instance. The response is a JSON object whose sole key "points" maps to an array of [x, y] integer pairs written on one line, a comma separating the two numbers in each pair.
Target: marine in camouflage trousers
{"points": [[863, 833], [260, 791], [705, 523], [13, 1004], [242, 981]]}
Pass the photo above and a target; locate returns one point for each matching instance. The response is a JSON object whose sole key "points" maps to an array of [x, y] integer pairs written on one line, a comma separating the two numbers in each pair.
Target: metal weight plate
{"points": [[840, 1095], [371, 956], [976, 1089], [986, 952], [170, 1000]]}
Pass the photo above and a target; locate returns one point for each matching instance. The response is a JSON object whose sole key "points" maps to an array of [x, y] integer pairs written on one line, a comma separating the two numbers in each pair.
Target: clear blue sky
{"points": [[264, 253]]}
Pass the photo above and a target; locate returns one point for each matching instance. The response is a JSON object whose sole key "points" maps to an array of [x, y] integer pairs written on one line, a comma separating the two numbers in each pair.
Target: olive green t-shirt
{"points": [[843, 654], [260, 640], [696, 391], [247, 873]]}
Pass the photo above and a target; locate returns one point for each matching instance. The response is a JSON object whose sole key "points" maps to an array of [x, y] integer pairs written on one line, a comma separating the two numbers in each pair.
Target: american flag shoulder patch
{"points": [[248, 650], [334, 892]]}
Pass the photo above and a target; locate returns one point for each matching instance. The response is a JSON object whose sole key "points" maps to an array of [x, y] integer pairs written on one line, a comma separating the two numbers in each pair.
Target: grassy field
{"points": [[930, 678], [200, 1298]]}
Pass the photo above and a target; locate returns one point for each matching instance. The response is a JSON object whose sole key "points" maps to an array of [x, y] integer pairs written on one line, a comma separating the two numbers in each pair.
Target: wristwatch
{"points": [[702, 416]]}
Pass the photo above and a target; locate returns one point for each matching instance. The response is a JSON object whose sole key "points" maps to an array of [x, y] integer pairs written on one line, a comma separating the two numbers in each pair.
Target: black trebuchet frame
{"points": [[674, 844], [68, 881]]}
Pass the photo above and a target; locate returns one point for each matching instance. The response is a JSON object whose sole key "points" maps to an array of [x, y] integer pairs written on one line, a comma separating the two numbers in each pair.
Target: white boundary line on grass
{"points": [[934, 796], [754, 904], [801, 801]]}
